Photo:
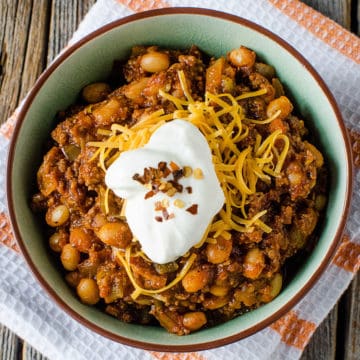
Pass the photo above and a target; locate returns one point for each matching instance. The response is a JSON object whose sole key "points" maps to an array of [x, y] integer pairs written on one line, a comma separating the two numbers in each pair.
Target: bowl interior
{"points": [[93, 61]]}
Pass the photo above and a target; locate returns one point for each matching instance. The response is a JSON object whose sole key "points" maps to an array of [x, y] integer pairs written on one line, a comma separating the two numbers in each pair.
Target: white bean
{"points": [[155, 61]]}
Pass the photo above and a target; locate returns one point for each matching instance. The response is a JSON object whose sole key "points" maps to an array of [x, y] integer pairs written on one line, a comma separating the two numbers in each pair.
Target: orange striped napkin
{"points": [[335, 53]]}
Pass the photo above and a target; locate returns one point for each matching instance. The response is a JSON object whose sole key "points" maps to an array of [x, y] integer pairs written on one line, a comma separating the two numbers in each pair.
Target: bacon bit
{"points": [[178, 174], [166, 172], [165, 214], [138, 178], [193, 209], [158, 218], [162, 165], [174, 166], [158, 206], [149, 194], [154, 179], [176, 185], [198, 174]]}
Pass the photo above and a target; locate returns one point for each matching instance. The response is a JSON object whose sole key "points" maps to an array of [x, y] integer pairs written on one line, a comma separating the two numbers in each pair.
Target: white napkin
{"points": [[335, 53]]}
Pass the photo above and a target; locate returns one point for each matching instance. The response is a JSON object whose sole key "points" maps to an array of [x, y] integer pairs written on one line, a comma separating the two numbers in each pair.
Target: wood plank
{"points": [[9, 344], [22, 50], [35, 57], [30, 353], [356, 17], [351, 320], [62, 18], [339, 11], [23, 36], [14, 23], [348, 316], [322, 345], [65, 18]]}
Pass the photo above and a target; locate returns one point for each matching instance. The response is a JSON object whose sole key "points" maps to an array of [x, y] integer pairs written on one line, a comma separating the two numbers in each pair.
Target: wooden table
{"points": [[33, 32]]}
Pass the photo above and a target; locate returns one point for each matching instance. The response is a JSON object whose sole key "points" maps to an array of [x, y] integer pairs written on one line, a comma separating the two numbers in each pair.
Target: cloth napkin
{"points": [[335, 53]]}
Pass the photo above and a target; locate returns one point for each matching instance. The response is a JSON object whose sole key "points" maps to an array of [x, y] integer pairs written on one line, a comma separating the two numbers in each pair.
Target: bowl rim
{"points": [[300, 293]]}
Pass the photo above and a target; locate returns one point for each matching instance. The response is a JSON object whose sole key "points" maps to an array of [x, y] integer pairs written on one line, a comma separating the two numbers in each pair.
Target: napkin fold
{"points": [[335, 54]]}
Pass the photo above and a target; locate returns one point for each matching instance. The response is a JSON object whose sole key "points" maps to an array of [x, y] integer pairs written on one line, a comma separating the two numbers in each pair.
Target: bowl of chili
{"points": [[219, 64]]}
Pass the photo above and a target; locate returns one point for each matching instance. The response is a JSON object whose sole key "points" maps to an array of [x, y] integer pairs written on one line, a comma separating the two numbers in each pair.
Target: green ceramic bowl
{"points": [[91, 60]]}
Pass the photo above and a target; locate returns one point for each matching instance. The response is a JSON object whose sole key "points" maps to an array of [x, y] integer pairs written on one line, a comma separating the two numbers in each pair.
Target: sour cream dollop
{"points": [[188, 213]]}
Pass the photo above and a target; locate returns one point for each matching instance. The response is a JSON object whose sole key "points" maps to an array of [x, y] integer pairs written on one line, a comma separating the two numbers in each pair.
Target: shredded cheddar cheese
{"points": [[238, 170], [125, 261]]}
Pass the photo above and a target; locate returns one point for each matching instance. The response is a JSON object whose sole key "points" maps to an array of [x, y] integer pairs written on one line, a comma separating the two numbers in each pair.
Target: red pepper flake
{"points": [[174, 166], [189, 189], [149, 194], [158, 218], [166, 172], [193, 209]]}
